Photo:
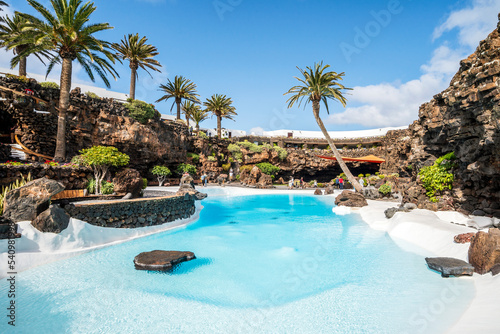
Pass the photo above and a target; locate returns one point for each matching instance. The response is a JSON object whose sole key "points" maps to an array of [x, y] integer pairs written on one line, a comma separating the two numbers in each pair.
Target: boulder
{"points": [[351, 199], [54, 220], [8, 229], [484, 250], [318, 192], [389, 213], [448, 266], [187, 188], [280, 181], [128, 181], [410, 206], [371, 192], [265, 181], [329, 190], [159, 260], [464, 237], [28, 201]]}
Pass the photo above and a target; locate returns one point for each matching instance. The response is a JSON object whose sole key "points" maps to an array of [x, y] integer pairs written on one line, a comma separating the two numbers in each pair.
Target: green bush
{"points": [[246, 167], [161, 173], [394, 175], [321, 185], [49, 84], [385, 189], [438, 177], [211, 158], [182, 168], [91, 186], [194, 157], [202, 134], [144, 183], [250, 146], [107, 188], [226, 167], [360, 176], [140, 111], [282, 153], [92, 95], [267, 168]]}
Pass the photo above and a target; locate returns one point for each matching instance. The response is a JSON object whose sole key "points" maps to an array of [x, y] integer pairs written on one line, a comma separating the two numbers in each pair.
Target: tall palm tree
{"points": [[139, 54], [188, 109], [180, 89], [72, 38], [16, 35], [318, 85], [221, 107], [198, 116]]}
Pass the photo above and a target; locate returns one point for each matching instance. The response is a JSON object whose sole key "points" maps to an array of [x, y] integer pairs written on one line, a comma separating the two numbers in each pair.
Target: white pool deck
{"points": [[424, 232]]}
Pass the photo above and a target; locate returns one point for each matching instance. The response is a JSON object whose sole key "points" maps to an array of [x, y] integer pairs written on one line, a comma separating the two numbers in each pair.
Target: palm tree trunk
{"points": [[336, 153], [66, 72], [22, 67], [132, 82], [197, 128], [178, 101], [219, 125], [187, 120]]}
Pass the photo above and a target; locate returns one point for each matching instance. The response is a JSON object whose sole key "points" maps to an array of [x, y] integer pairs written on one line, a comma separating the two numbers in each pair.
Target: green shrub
{"points": [[161, 173], [49, 84], [194, 157], [343, 176], [267, 168], [78, 160], [100, 158], [321, 185], [202, 134], [91, 186], [211, 158], [140, 111], [360, 176], [93, 95], [246, 167], [226, 167], [250, 146], [394, 175], [144, 183], [12, 186], [107, 188], [282, 153], [182, 168], [385, 189], [381, 176], [438, 177]]}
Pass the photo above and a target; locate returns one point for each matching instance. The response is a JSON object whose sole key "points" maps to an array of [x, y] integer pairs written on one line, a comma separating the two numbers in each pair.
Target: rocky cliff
{"points": [[465, 119]]}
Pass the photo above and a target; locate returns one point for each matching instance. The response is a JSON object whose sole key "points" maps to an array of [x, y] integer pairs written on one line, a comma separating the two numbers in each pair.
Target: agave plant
{"points": [[12, 186]]}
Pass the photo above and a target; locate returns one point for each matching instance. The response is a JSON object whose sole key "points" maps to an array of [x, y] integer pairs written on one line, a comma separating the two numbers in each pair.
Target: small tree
{"points": [[161, 173], [182, 168], [100, 158]]}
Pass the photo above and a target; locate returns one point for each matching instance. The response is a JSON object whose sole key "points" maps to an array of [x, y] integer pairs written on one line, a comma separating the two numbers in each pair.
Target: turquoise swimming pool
{"points": [[279, 263]]}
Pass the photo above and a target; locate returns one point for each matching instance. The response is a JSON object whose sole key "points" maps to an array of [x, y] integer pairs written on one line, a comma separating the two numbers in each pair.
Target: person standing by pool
{"points": [[341, 183], [202, 178], [362, 182], [205, 179], [301, 183], [290, 183], [315, 185], [337, 182], [230, 175]]}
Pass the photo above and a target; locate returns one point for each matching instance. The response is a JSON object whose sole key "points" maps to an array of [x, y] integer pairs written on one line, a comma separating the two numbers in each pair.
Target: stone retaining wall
{"points": [[71, 178], [134, 213]]}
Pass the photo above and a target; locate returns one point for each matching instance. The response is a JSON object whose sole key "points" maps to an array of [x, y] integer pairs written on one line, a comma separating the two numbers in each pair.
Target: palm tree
{"points": [[319, 86], [139, 54], [221, 107], [180, 89], [16, 35], [198, 116], [188, 109], [71, 36]]}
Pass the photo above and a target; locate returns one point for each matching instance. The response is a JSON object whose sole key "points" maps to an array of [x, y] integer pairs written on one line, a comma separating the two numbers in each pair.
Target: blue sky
{"points": [[395, 54]]}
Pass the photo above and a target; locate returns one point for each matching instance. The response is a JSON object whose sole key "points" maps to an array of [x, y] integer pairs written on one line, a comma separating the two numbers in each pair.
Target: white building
{"points": [[334, 134], [226, 133]]}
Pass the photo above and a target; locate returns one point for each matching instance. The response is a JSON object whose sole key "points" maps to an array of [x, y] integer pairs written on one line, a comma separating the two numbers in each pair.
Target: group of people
{"points": [[220, 179], [339, 182], [297, 183]]}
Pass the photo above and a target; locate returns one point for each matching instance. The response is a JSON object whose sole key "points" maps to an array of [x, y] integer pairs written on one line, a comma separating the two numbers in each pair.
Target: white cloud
{"points": [[474, 23], [396, 104], [258, 131]]}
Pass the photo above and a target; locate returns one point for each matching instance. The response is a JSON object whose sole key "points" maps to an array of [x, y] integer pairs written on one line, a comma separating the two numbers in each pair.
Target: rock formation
{"points": [[484, 251], [159, 260], [128, 181], [186, 188], [448, 266], [351, 199], [53, 220], [465, 119], [28, 201]]}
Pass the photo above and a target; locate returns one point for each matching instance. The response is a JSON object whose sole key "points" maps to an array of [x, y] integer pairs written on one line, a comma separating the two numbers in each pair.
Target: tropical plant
{"points": [[318, 86], [139, 54], [140, 111], [211, 158], [267, 168], [92, 95], [68, 32], [144, 183], [221, 107], [17, 184], [438, 177], [198, 115], [226, 167], [107, 187], [183, 168], [180, 89], [100, 159], [188, 109], [16, 35], [202, 134], [282, 153], [161, 173], [91, 186], [49, 84], [194, 157], [385, 189]]}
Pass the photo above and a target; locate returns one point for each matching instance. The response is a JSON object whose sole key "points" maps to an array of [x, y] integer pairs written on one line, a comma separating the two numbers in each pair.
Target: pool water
{"points": [[265, 264]]}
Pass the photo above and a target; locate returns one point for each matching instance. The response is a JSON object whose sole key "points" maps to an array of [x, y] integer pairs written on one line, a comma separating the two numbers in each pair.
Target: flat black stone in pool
{"points": [[159, 260]]}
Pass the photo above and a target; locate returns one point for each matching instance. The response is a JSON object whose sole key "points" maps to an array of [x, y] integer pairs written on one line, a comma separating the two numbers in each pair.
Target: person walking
{"points": [[341, 183], [290, 183], [230, 175]]}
